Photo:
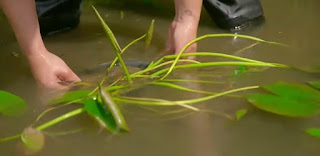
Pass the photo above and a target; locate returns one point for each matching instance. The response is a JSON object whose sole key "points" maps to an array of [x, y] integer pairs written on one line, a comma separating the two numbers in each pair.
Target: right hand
{"points": [[50, 71]]}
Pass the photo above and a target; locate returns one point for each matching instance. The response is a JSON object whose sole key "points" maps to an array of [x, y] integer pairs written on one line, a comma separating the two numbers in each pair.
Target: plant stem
{"points": [[228, 63], [211, 36], [60, 118]]}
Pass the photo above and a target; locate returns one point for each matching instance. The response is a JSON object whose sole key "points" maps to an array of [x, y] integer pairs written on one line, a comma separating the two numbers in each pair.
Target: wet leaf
{"points": [[315, 132], [314, 84], [33, 140], [11, 105], [100, 113], [150, 34], [294, 91], [69, 97], [241, 113], [292, 100], [115, 111]]}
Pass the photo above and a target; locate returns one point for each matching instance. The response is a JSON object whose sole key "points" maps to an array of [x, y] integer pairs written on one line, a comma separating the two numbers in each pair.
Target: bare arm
{"points": [[184, 26], [47, 68]]}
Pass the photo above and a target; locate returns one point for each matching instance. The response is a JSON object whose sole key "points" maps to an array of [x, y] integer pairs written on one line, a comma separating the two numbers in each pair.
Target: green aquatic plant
{"points": [[11, 105], [103, 103]]}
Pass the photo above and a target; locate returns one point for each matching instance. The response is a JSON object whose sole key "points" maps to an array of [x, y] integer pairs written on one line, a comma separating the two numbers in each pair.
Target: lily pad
{"points": [[292, 100], [69, 97], [11, 105]]}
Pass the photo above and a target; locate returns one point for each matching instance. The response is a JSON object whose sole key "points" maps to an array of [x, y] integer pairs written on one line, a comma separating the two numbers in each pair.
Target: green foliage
{"points": [[315, 84], [101, 115], [288, 99], [241, 113], [11, 105], [71, 96], [315, 132], [114, 44], [149, 34]]}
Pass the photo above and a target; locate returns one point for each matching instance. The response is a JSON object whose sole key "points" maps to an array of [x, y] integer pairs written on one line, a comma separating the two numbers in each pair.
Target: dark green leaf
{"points": [[69, 96], [101, 114], [11, 105], [315, 132], [241, 113], [297, 92], [33, 140], [287, 106], [315, 84]]}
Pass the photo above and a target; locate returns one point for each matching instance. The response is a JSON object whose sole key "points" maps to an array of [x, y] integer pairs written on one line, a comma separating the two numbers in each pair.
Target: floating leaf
{"points": [[294, 91], [241, 113], [289, 99], [315, 132], [33, 140], [11, 105], [150, 34], [69, 97], [314, 84]]}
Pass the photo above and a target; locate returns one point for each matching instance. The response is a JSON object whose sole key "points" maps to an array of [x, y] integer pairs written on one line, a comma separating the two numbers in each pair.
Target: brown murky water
{"points": [[198, 134]]}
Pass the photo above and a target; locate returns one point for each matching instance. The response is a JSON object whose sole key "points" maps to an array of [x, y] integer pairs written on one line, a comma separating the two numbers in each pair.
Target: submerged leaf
{"points": [[150, 33], [69, 97], [11, 105], [241, 113], [33, 140], [314, 84], [315, 132], [115, 111], [101, 114]]}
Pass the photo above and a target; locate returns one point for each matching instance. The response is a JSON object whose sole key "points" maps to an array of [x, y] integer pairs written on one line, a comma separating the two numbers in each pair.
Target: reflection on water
{"points": [[202, 134]]}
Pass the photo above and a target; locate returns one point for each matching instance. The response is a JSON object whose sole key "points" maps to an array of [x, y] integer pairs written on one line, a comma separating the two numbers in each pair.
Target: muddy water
{"points": [[189, 134]]}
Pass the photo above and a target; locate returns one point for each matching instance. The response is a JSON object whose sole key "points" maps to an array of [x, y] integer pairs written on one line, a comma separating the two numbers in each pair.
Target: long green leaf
{"points": [[150, 34], [114, 43]]}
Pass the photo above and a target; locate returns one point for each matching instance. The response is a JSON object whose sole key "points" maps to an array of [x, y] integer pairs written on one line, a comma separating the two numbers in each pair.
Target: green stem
{"points": [[60, 118], [213, 54], [228, 63], [211, 36], [160, 102]]}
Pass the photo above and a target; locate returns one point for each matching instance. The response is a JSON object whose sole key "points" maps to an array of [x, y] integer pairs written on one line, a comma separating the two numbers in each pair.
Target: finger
{"points": [[69, 76]]}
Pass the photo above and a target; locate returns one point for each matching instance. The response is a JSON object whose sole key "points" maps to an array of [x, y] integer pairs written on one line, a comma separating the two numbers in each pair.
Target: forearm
{"points": [[188, 10], [24, 22]]}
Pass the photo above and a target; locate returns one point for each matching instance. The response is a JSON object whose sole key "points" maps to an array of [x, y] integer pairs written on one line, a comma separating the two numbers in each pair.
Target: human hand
{"points": [[181, 32], [50, 71]]}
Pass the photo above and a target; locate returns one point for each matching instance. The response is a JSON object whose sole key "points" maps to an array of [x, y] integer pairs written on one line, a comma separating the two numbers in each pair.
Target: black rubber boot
{"points": [[231, 14], [58, 15]]}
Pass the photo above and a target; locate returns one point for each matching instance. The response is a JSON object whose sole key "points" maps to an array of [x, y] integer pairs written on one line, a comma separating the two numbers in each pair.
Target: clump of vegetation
{"points": [[102, 103]]}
